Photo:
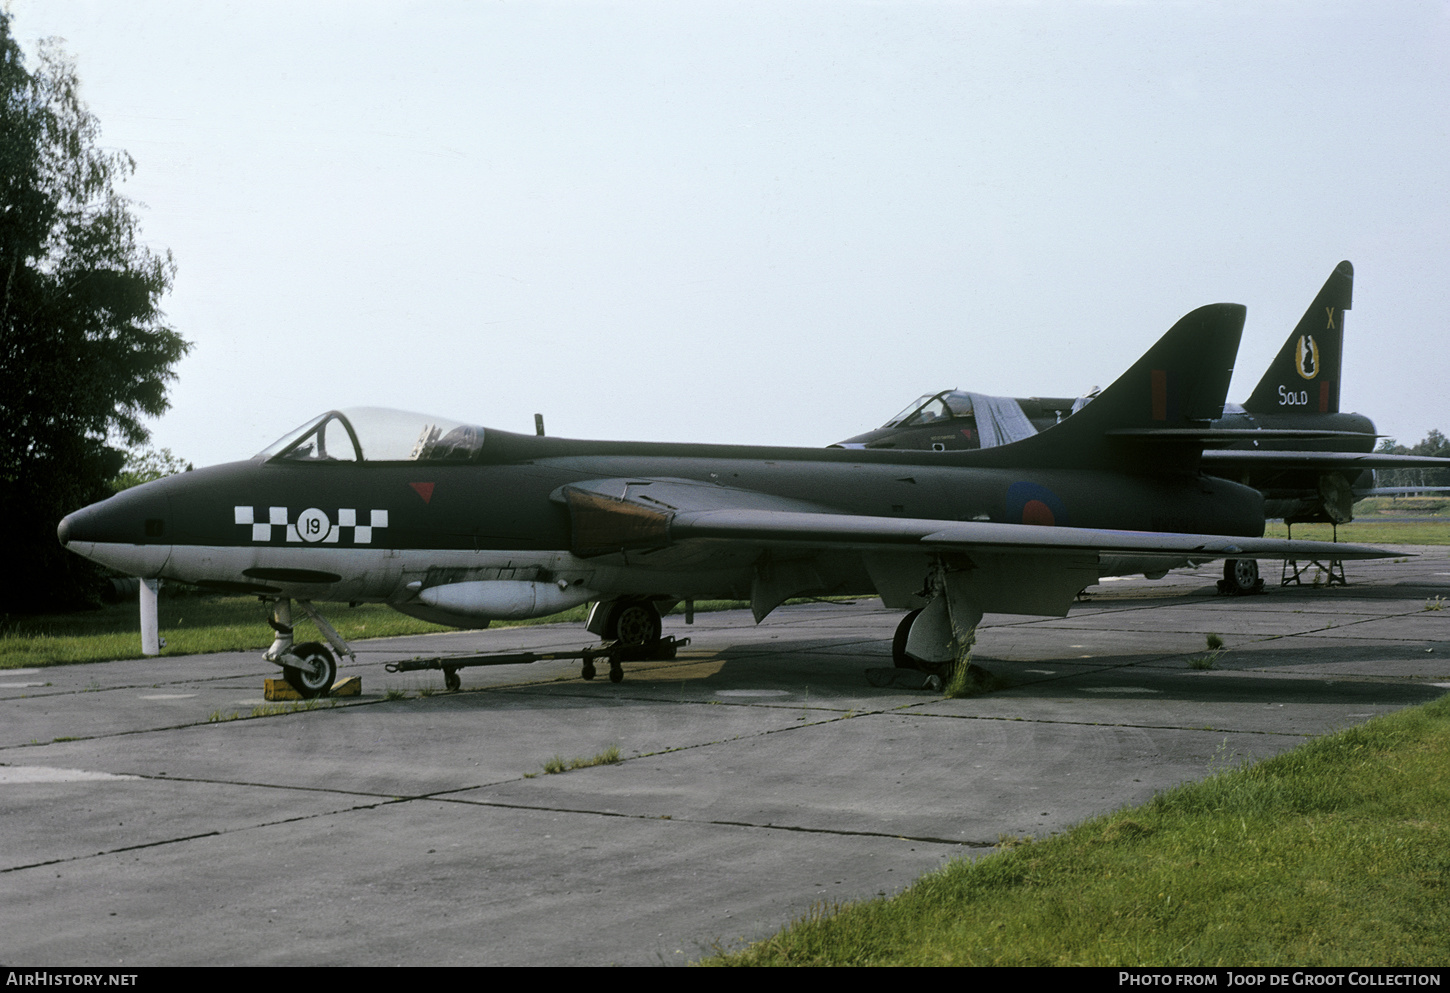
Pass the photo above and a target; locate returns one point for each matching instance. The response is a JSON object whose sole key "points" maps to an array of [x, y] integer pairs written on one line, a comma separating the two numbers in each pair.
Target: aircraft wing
{"points": [[1227, 436], [610, 515], [786, 528], [1009, 568], [1215, 461]]}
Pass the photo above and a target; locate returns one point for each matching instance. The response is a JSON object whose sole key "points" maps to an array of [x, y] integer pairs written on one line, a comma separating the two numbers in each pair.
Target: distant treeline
{"points": [[1435, 444]]}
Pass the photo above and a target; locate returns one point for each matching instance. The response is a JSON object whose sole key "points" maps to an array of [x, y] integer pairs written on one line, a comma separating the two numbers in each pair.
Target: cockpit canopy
{"points": [[377, 434], [933, 407]]}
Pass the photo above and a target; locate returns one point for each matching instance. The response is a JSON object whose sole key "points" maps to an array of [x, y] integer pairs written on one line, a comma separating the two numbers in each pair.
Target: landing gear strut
{"points": [[309, 668], [937, 638]]}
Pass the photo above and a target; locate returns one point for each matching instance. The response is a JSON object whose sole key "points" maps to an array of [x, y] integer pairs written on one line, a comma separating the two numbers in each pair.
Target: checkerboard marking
{"points": [[264, 529]]}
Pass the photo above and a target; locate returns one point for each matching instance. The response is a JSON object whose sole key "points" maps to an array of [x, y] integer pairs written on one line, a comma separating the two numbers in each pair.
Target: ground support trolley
{"points": [[615, 653]]}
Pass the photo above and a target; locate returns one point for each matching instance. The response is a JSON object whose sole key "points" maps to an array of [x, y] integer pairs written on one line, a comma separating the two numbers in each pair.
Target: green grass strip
{"points": [[1334, 854], [1431, 531]]}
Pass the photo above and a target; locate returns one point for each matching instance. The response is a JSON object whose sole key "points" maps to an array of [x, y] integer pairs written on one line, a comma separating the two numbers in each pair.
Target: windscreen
{"points": [[378, 434]]}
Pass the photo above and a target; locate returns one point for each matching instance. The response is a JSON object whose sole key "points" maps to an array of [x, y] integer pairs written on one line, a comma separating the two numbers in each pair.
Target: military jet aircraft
{"points": [[1298, 396], [463, 524], [1289, 440]]}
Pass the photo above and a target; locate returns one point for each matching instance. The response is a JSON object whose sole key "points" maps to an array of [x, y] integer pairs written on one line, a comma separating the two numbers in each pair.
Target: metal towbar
{"points": [[615, 653]]}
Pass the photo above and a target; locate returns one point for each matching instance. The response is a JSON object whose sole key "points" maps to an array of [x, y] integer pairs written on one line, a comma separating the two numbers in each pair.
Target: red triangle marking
{"points": [[424, 490]]}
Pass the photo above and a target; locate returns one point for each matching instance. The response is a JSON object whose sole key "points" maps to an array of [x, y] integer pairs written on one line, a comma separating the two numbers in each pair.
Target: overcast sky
{"points": [[764, 222]]}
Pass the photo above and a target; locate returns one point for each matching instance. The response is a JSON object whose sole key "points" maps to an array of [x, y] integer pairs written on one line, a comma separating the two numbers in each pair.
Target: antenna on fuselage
{"points": [[539, 425]]}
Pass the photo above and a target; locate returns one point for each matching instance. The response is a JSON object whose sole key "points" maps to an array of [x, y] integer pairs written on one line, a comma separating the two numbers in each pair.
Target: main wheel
{"points": [[898, 644], [637, 623], [1241, 576], [307, 685]]}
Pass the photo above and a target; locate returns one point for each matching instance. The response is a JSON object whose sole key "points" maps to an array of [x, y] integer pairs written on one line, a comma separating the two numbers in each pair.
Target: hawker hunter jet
{"points": [[1289, 440], [463, 525], [1294, 407]]}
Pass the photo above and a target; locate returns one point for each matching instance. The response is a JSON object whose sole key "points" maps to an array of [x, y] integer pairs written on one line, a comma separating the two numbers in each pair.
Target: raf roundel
{"points": [[1029, 503]]}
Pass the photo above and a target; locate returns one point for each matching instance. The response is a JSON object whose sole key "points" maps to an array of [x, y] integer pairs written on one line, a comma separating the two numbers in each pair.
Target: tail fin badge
{"points": [[1308, 354]]}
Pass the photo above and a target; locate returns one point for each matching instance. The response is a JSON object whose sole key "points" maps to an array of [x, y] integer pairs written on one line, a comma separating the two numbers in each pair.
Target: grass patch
{"points": [[968, 680], [1424, 505], [609, 756], [1214, 643], [1432, 531], [1334, 854], [270, 710], [959, 683]]}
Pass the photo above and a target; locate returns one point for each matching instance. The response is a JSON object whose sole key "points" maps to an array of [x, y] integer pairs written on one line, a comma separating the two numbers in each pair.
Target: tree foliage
{"points": [[85, 353], [1435, 444], [143, 465]]}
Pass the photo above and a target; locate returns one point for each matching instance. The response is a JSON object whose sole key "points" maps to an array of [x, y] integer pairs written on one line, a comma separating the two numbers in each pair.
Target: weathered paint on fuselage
{"points": [[364, 531]]}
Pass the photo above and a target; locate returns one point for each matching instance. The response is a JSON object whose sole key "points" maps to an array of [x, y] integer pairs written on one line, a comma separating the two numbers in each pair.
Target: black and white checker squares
{"points": [[312, 526]]}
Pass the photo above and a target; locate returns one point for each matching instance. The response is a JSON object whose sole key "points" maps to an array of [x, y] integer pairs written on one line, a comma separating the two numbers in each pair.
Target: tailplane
{"points": [[1304, 376]]}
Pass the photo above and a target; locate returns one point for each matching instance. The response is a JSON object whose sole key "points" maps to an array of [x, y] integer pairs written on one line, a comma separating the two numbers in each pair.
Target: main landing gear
{"points": [[632, 628], [309, 668], [938, 638], [1240, 577]]}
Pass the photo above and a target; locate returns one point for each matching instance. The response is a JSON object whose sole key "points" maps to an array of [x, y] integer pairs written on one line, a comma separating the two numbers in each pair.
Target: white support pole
{"points": [[150, 635]]}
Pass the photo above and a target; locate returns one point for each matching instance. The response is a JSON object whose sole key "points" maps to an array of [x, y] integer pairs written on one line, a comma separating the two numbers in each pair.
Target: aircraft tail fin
{"points": [[1304, 376], [1180, 383]]}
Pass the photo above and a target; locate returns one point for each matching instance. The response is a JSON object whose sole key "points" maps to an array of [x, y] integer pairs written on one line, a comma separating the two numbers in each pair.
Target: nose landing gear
{"points": [[309, 668]]}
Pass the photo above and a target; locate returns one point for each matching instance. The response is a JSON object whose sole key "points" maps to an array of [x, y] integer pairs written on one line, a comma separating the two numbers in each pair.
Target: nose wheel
{"points": [[316, 680]]}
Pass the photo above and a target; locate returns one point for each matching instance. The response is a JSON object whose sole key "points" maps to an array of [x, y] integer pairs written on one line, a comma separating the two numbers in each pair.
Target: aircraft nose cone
{"points": [[63, 532], [137, 516], [87, 525]]}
